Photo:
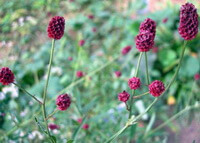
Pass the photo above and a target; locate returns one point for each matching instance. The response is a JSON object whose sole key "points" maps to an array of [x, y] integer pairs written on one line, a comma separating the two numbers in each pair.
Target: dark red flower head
{"points": [[126, 50], [165, 20], [79, 74], [63, 102], [156, 88], [81, 42], [148, 25], [90, 16], [6, 76], [56, 27], [144, 41], [197, 76], [53, 126], [188, 26], [118, 73], [134, 83], [123, 96], [85, 126]]}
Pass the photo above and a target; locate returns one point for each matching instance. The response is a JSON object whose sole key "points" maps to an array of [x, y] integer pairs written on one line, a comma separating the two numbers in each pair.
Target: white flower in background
{"points": [[56, 131], [23, 113], [11, 89], [140, 106], [2, 96], [21, 134], [30, 103], [35, 134], [31, 19], [12, 141], [121, 107], [56, 70], [21, 21]]}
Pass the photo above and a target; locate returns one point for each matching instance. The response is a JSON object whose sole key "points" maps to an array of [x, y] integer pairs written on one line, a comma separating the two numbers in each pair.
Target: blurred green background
{"points": [[25, 46]]}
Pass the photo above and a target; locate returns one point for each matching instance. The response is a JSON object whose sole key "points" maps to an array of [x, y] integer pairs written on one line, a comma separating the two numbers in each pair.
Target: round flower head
{"points": [[144, 41], [123, 96], [63, 102], [156, 88], [197, 76], [134, 83], [79, 74], [56, 27], [188, 26], [118, 73], [53, 126], [148, 25], [85, 126], [90, 16], [81, 42], [79, 120], [126, 50], [6, 76]]}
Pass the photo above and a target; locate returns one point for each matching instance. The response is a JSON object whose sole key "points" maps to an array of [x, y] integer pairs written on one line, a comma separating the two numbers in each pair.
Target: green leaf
{"points": [[70, 141]]}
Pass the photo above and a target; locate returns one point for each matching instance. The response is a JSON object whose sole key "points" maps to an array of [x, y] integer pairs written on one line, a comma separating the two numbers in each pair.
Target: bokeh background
{"points": [[107, 26]]}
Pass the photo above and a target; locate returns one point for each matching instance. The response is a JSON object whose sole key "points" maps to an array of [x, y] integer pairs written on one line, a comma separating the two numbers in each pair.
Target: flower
{"points": [[123, 96], [134, 83], [63, 102], [148, 25], [85, 126], [6, 76], [165, 20], [156, 88], [79, 120], [155, 49], [144, 41], [81, 42], [188, 26], [94, 29], [171, 100], [56, 27], [53, 126], [70, 58], [126, 50], [79, 74], [90, 16], [197, 76], [118, 73]]}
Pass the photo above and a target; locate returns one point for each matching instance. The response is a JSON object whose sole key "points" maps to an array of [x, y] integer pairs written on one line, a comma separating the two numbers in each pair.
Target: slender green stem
{"points": [[50, 115], [132, 121], [46, 86], [140, 95], [25, 91], [178, 68], [147, 72], [136, 74], [187, 108]]}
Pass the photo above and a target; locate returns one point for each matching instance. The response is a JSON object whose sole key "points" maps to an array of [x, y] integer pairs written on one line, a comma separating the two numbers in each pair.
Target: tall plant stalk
{"points": [[46, 86]]}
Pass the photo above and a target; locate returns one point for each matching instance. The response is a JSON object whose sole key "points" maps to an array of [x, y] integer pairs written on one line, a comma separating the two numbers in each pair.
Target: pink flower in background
{"points": [[156, 88], [56, 27], [118, 73], [90, 16], [81, 42], [94, 30], [63, 102], [53, 126], [70, 58], [155, 49], [85, 126], [79, 74], [123, 96], [165, 20], [134, 83], [79, 120], [6, 76], [126, 50], [197, 76]]}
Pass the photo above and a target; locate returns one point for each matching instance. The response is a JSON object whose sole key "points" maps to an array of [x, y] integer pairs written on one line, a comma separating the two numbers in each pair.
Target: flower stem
{"points": [[25, 91], [147, 72], [50, 115], [46, 86], [136, 74], [140, 95], [187, 108]]}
